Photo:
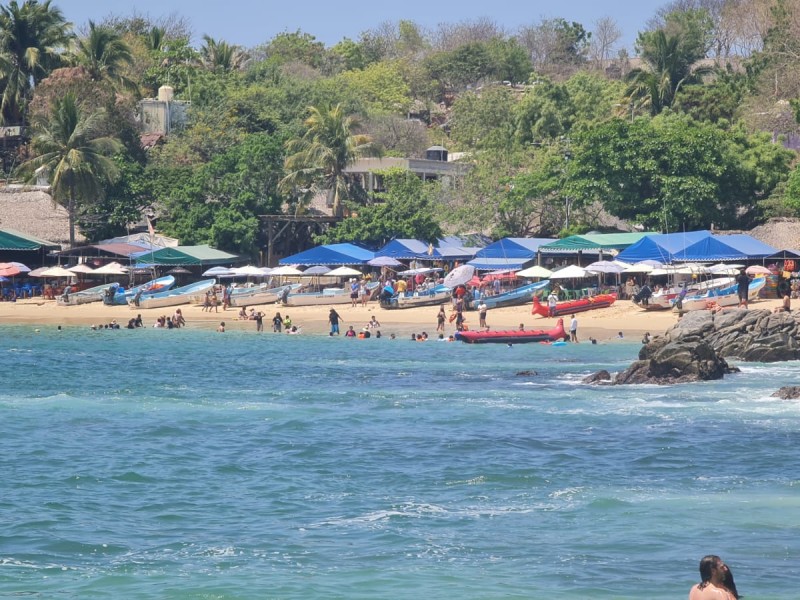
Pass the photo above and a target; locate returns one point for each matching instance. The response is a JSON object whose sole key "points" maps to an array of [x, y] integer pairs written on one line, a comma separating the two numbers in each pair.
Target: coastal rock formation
{"points": [[696, 347], [601, 376], [664, 361], [788, 392]]}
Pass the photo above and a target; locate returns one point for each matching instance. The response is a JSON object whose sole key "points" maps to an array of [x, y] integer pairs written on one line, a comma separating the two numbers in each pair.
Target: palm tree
{"points": [[32, 36], [318, 160], [74, 152], [668, 66], [220, 55], [104, 55], [155, 38]]}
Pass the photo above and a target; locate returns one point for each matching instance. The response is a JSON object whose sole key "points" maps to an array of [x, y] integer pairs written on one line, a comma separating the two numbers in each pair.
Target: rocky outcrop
{"points": [[788, 392], [696, 347], [601, 376]]}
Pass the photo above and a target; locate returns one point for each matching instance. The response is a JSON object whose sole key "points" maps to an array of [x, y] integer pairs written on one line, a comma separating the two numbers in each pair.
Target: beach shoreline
{"points": [[605, 323]]}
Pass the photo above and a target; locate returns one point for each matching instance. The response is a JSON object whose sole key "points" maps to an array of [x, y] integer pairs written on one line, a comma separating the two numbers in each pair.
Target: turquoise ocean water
{"points": [[190, 464]]}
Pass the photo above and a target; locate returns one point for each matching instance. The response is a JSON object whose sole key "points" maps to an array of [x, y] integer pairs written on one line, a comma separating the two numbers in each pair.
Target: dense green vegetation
{"points": [[562, 133]]}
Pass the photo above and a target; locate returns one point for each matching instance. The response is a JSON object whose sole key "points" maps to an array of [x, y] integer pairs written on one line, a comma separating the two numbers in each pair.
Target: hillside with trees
{"points": [[561, 131]]}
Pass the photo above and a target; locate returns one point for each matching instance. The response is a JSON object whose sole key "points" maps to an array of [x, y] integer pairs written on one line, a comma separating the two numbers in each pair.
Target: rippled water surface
{"points": [[190, 464]]}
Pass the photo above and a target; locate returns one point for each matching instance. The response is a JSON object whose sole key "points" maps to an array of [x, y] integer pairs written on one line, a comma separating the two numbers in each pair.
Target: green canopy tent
{"points": [[203, 255], [23, 247]]}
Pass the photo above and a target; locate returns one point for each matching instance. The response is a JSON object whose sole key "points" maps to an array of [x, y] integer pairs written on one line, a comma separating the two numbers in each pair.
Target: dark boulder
{"points": [[599, 377], [788, 392], [682, 361]]}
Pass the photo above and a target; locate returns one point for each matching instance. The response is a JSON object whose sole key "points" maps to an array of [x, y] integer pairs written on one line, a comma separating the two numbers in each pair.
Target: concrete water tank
{"points": [[436, 153], [165, 93]]}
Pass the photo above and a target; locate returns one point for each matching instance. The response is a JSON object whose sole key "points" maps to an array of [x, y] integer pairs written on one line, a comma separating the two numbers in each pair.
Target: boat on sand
{"points": [[517, 296], [193, 293], [151, 287], [92, 294], [569, 307], [518, 336]]}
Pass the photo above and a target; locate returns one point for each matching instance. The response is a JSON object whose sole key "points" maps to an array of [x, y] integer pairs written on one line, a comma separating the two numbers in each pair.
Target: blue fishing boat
{"points": [[517, 296], [194, 293], [151, 287], [438, 294]]}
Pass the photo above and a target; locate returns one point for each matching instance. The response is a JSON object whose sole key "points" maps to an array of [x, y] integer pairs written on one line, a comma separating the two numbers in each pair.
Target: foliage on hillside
{"points": [[557, 127]]}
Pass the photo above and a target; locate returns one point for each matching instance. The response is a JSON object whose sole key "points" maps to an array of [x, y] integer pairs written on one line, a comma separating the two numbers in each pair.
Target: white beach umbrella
{"points": [[571, 272], [248, 271], [723, 269], [22, 268], [343, 272], [267, 270], [459, 276], [56, 272], [318, 270], [605, 266], [217, 272], [286, 270], [112, 268], [644, 266], [81, 268], [535, 271]]}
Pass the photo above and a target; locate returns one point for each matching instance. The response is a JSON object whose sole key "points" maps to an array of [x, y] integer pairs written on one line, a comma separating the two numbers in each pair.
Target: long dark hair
{"points": [[707, 566]]}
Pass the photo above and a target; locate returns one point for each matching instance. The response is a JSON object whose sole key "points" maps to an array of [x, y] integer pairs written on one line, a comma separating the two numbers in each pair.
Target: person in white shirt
{"points": [[573, 330]]}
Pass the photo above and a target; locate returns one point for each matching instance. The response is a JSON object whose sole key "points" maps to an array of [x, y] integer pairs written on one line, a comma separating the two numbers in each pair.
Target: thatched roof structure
{"points": [[33, 211], [780, 233]]}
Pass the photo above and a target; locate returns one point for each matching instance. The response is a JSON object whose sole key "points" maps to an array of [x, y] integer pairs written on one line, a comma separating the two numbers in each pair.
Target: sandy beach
{"points": [[602, 324]]}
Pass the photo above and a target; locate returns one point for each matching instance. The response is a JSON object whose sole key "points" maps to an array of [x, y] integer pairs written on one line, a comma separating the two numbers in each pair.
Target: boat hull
{"points": [[246, 297], [434, 297], [95, 294], [516, 297], [720, 298], [151, 287], [574, 306], [336, 296], [190, 294], [514, 337]]}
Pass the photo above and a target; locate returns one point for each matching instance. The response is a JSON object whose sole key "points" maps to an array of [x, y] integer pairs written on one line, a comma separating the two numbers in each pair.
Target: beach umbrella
{"points": [[723, 269], [286, 270], [344, 272], [217, 272], [459, 276], [37, 272], [82, 268], [2, 278], [758, 270], [690, 269], [112, 268], [57, 272], [605, 266], [9, 270], [645, 266], [535, 271], [267, 270], [571, 272], [318, 270], [248, 271], [384, 261], [22, 268]]}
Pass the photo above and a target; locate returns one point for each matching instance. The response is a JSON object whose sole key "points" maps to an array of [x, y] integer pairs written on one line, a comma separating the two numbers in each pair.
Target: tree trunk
{"points": [[71, 211]]}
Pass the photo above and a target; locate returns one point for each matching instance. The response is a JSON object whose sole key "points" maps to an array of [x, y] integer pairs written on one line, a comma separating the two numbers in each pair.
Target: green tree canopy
{"points": [[404, 210]]}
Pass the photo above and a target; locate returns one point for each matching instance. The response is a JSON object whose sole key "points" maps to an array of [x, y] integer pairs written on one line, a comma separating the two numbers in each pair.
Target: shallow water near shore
{"points": [[190, 464]]}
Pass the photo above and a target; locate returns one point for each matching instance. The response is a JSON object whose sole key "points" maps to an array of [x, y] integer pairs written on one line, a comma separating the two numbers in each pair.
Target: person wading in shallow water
{"points": [[716, 581]]}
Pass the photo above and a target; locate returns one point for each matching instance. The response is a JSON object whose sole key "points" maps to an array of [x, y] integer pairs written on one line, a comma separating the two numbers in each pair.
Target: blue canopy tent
{"points": [[406, 249], [661, 246], [714, 248], [508, 253], [330, 254]]}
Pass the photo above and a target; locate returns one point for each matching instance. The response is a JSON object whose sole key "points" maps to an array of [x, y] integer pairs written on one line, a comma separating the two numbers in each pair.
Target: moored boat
{"points": [[436, 295], [93, 294], [720, 297], [665, 297], [193, 293], [517, 296], [519, 336], [568, 307], [326, 296], [261, 294], [151, 287]]}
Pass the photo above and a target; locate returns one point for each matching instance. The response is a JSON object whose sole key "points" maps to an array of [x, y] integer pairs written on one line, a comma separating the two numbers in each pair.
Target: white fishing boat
{"points": [[261, 294], [326, 296], [426, 297], [92, 294], [194, 293], [665, 297], [728, 296]]}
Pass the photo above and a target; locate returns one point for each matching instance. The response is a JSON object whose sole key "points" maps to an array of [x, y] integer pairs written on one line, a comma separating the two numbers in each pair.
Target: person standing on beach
{"points": [[482, 308], [333, 319], [743, 289], [573, 330], [716, 581], [552, 302], [277, 322], [259, 321], [440, 319]]}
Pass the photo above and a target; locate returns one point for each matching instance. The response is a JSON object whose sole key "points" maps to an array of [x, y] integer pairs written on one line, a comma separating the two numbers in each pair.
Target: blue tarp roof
{"points": [[725, 247], [513, 248], [661, 247], [493, 264], [405, 249], [330, 254]]}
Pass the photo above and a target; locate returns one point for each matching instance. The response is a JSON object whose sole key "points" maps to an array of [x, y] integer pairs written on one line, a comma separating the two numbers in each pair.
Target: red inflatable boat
{"points": [[520, 336], [573, 306]]}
